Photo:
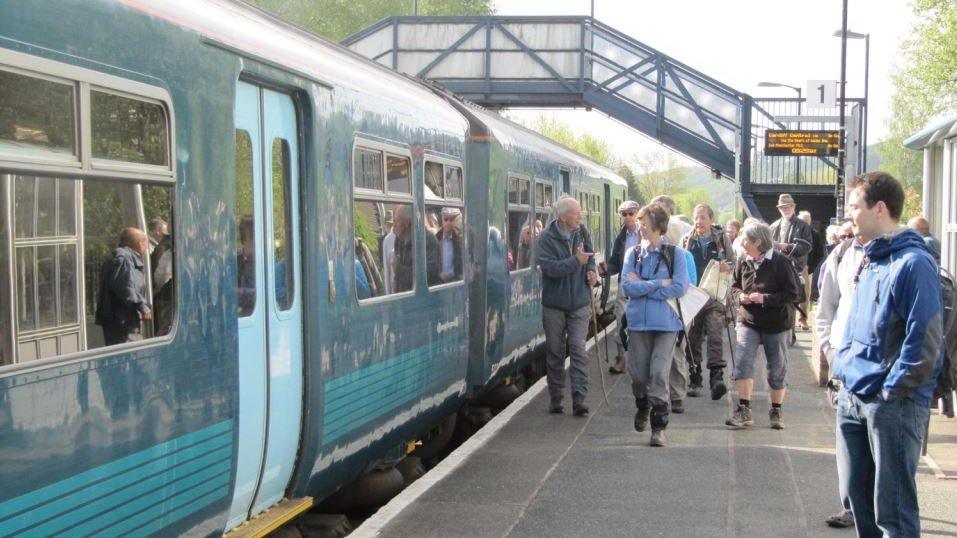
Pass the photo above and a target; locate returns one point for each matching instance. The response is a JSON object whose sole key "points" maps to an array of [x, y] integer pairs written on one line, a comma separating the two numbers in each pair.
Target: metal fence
{"points": [[782, 113]]}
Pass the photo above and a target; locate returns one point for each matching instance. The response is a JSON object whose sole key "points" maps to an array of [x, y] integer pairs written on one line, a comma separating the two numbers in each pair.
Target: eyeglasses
{"points": [[628, 213]]}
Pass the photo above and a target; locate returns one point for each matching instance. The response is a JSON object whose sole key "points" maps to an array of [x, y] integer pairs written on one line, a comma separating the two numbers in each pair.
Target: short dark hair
{"points": [[658, 216], [880, 186]]}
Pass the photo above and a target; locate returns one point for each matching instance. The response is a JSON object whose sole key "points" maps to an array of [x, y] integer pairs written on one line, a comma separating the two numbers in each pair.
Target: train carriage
{"points": [[307, 323]]}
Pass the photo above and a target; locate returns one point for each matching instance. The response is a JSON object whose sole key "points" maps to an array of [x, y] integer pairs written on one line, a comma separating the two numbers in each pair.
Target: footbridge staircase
{"points": [[579, 62]]}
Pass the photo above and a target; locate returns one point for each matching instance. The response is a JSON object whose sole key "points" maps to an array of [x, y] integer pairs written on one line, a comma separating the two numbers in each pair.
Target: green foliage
{"points": [[594, 148], [925, 87], [660, 173], [338, 19]]}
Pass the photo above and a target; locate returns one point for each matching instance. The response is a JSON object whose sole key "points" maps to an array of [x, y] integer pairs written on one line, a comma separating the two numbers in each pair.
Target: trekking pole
{"points": [[601, 373]]}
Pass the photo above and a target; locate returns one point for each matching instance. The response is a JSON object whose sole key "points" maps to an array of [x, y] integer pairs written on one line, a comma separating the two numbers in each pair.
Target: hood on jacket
{"points": [[885, 245]]}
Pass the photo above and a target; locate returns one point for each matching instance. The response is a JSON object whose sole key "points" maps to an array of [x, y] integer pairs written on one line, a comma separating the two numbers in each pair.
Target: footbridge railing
{"points": [[579, 62]]}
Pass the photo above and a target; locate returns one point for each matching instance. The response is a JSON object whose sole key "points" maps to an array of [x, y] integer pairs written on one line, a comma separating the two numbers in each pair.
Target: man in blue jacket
{"points": [[123, 302], [566, 257], [888, 361]]}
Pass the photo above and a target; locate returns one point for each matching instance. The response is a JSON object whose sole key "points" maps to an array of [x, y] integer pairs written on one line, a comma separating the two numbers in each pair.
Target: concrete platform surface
{"points": [[557, 475]]}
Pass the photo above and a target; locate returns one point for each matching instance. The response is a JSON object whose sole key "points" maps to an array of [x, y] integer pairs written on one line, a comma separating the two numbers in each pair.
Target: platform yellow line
{"points": [[270, 520]]}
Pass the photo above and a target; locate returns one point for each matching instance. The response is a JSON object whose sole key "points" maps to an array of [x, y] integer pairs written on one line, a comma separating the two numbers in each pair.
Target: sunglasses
{"points": [[628, 213]]}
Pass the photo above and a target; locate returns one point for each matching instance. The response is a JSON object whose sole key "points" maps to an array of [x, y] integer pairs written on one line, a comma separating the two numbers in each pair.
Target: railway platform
{"points": [[530, 473]]}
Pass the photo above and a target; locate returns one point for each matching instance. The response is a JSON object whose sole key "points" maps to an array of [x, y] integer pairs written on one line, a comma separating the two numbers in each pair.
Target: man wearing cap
{"points": [[627, 238], [449, 237], [792, 237]]}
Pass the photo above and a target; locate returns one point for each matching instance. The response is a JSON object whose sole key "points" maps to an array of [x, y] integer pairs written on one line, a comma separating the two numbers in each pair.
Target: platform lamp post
{"points": [[867, 105], [797, 166], [842, 131]]}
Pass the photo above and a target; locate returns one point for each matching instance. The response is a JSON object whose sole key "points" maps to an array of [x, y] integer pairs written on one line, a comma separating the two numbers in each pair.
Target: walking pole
{"points": [[601, 373], [729, 304]]}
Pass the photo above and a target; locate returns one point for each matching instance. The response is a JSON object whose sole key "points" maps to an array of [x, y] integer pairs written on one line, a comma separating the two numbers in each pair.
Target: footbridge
{"points": [[579, 62]]}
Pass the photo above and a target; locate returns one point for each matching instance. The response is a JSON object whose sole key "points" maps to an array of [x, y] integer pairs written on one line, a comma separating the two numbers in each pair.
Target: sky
{"points": [[741, 43]]}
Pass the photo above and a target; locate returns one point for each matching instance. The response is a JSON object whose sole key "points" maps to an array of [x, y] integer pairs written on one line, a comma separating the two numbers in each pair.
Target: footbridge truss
{"points": [[574, 62]]}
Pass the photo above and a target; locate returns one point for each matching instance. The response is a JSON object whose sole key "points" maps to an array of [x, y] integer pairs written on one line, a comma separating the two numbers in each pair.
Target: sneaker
{"points": [[841, 520], [741, 418], [694, 391], [775, 415], [580, 410], [657, 438], [677, 406], [641, 419]]}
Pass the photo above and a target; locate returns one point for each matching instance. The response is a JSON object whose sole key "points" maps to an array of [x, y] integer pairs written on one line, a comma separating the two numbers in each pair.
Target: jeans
{"points": [[878, 447], [561, 327]]}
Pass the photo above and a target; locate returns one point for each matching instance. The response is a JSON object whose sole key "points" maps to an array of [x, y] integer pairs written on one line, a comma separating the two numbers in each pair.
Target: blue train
{"points": [[348, 258]]}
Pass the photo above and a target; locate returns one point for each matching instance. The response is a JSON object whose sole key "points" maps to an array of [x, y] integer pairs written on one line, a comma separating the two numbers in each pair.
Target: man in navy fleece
{"points": [[888, 360]]}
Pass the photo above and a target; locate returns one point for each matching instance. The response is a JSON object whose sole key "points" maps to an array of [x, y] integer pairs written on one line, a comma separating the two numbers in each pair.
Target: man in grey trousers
{"points": [[566, 257]]}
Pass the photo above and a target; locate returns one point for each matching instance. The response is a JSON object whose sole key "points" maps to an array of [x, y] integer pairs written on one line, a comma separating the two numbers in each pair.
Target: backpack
{"points": [[947, 380]]}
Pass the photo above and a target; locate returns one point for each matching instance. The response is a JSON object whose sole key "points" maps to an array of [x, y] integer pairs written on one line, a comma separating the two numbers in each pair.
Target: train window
{"points": [[86, 284], [368, 170], [444, 224], [522, 229], [282, 224], [384, 224], [129, 130], [434, 181], [385, 248], [543, 203], [399, 171], [245, 226], [453, 183], [37, 113]]}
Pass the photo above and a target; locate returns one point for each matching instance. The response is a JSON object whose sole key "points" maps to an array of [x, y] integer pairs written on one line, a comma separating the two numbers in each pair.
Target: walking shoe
{"points": [[657, 438], [741, 418], [775, 415], [718, 388], [694, 391], [556, 409], [841, 520], [677, 406], [580, 410], [641, 419], [618, 367]]}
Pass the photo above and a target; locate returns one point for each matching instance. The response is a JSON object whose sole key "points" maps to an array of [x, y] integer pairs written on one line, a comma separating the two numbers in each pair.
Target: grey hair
{"points": [[563, 204], [803, 214], [156, 224], [758, 231], [667, 202]]}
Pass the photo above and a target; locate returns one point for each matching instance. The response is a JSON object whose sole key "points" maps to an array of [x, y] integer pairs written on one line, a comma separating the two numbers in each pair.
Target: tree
{"points": [[925, 87], [338, 19], [659, 173], [594, 148]]}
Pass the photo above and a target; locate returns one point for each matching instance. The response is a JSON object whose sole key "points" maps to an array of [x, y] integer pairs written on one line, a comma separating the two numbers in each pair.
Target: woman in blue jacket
{"points": [[653, 273]]}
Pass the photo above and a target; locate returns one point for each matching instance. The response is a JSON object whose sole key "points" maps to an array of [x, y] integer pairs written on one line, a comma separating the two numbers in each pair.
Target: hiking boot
{"points": [[718, 388], [694, 391], [618, 367], [741, 418], [580, 410], [556, 408], [841, 520], [657, 438], [677, 406], [775, 415], [641, 418]]}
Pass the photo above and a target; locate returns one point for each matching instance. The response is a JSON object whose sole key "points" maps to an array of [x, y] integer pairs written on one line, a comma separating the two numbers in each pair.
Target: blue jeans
{"points": [[878, 447]]}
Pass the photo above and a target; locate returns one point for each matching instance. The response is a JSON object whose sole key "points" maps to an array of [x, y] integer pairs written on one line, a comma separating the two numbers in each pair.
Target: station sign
{"points": [[794, 143], [821, 94]]}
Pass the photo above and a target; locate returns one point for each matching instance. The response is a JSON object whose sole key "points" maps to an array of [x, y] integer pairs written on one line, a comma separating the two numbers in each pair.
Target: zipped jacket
{"points": [[647, 308], [892, 343], [563, 278]]}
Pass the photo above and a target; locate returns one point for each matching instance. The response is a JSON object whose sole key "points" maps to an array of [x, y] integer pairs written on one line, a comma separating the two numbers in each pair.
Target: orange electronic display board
{"points": [[787, 143]]}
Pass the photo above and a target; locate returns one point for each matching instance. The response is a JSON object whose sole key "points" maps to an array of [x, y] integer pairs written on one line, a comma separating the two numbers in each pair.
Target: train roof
{"points": [[511, 133], [237, 26], [248, 29]]}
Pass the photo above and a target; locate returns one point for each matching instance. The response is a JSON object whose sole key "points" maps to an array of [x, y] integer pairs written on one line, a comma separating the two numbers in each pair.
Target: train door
{"points": [[269, 293]]}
